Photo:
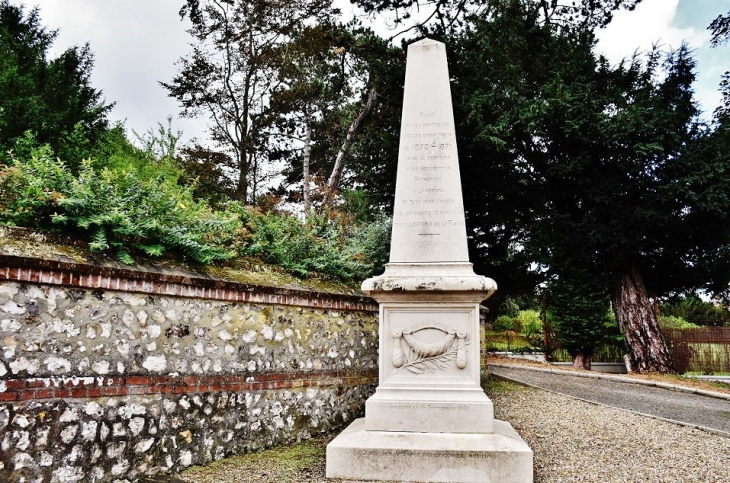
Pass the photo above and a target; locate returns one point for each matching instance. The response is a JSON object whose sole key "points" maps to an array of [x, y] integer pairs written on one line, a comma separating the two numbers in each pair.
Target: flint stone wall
{"points": [[109, 375]]}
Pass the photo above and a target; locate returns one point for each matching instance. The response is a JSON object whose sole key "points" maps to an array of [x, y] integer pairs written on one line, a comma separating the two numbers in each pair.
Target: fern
{"points": [[152, 250], [59, 219], [124, 257], [99, 241]]}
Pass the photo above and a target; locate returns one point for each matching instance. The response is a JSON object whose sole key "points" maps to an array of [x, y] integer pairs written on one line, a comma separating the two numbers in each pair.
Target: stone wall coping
{"points": [[60, 260], [56, 272]]}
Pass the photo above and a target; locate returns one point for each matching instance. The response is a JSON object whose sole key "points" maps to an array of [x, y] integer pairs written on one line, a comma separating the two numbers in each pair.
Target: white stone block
{"points": [[430, 411], [499, 457]]}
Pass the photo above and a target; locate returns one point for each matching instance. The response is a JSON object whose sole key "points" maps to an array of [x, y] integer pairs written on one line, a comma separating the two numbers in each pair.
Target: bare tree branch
{"points": [[334, 180]]}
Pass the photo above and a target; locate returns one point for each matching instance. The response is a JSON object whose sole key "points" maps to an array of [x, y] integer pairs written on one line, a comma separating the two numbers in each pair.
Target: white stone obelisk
{"points": [[429, 420]]}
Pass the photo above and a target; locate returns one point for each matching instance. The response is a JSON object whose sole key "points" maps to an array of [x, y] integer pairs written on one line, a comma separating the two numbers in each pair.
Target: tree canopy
{"points": [[572, 163], [51, 98], [448, 17], [720, 29]]}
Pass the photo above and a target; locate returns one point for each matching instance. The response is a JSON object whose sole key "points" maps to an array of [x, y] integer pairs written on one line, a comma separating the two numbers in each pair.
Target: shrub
{"points": [[530, 321], [118, 210], [130, 202], [579, 313], [30, 189], [672, 322], [113, 208], [695, 310], [531, 326], [503, 323], [325, 243]]}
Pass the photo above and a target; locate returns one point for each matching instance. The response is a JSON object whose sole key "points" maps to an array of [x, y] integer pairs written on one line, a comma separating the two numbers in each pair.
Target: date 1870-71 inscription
{"points": [[428, 151]]}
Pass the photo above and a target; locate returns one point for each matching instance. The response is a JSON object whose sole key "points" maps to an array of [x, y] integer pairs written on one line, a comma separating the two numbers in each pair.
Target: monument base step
{"points": [[501, 456], [429, 411]]}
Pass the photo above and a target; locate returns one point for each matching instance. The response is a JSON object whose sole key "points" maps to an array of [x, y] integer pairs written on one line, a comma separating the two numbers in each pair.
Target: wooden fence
{"points": [[705, 350], [603, 353]]}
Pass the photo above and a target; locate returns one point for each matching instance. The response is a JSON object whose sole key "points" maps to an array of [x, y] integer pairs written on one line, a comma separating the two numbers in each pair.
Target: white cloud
{"points": [[135, 45], [650, 23], [655, 22]]}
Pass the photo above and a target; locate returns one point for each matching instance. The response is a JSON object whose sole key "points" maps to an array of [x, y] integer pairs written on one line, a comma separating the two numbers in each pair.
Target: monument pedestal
{"points": [[429, 420], [429, 358], [498, 457], [430, 411]]}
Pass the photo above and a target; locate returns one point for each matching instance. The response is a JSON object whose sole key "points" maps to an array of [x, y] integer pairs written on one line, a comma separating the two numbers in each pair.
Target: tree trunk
{"points": [[243, 168], [306, 193], [582, 361], [648, 351], [334, 180]]}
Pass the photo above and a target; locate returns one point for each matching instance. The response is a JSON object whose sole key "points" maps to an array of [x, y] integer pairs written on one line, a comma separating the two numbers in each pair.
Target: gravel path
{"points": [[688, 408], [573, 441]]}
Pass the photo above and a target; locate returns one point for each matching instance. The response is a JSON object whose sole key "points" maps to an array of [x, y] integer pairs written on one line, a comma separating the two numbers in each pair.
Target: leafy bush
{"points": [[504, 323], [30, 190], [131, 202], [324, 244], [695, 310], [117, 209], [531, 326], [672, 322], [530, 321]]}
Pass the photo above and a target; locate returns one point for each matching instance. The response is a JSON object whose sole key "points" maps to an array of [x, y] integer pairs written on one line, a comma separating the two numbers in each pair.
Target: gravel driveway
{"points": [[692, 409]]}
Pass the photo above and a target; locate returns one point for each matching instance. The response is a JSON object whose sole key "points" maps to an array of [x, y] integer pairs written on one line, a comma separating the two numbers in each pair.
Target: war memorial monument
{"points": [[429, 419]]}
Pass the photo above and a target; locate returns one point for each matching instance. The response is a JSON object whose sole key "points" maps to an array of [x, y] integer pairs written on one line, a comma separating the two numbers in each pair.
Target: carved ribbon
{"points": [[425, 349], [460, 351], [397, 352]]}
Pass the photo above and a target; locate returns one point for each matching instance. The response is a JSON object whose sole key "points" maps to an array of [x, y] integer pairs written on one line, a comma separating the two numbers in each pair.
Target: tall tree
{"points": [[319, 84], [370, 163], [720, 28], [234, 67], [330, 91], [51, 98], [578, 307], [308, 88], [570, 162]]}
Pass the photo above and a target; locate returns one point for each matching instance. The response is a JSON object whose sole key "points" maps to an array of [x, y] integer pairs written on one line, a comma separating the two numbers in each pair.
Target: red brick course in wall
{"points": [[89, 387], [53, 272]]}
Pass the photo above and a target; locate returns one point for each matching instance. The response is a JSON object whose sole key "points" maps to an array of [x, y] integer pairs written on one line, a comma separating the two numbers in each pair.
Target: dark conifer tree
{"points": [[51, 98]]}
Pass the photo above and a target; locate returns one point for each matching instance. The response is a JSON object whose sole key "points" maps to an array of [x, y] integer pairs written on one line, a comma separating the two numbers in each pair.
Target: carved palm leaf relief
{"points": [[418, 356]]}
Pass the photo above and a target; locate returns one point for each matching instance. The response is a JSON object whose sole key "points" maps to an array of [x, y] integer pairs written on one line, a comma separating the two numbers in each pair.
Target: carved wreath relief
{"points": [[418, 356]]}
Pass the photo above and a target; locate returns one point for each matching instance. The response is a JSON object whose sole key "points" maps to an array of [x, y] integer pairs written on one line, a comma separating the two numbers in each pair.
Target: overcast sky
{"points": [[136, 43]]}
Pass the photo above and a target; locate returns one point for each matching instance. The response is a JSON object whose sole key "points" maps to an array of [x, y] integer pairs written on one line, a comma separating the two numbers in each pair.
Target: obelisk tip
{"points": [[426, 41]]}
